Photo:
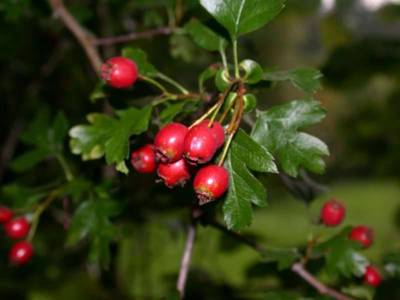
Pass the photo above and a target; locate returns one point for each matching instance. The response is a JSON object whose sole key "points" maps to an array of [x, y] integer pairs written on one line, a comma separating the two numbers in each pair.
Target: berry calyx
{"points": [[20, 253], [173, 174], [200, 145], [210, 183], [362, 234], [143, 160], [169, 142], [6, 214], [17, 228], [119, 72], [217, 131], [332, 213], [372, 276]]}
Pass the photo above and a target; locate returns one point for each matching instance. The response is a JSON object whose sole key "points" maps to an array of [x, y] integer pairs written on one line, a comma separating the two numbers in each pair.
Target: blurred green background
{"points": [[356, 45]]}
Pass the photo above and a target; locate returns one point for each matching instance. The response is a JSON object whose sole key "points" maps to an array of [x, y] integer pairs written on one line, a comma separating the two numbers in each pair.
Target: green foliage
{"points": [[284, 257], [342, 255], [204, 36], [392, 264], [277, 130], [92, 220], [244, 188], [140, 58], [45, 137], [305, 79], [109, 136], [240, 17]]}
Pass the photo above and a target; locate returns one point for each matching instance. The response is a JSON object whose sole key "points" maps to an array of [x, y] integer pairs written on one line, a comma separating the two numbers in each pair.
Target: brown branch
{"points": [[80, 33], [185, 263], [132, 36], [299, 269]]}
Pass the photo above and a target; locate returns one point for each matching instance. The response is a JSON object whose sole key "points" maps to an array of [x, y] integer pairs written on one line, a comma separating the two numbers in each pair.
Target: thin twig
{"points": [[185, 263], [299, 269], [80, 33], [132, 36]]}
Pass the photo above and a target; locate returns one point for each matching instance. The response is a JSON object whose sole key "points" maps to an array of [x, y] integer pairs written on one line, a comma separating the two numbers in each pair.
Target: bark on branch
{"points": [[185, 263], [80, 33]]}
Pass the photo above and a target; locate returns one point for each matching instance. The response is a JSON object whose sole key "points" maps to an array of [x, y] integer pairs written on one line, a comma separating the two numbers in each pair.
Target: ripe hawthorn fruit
{"points": [[210, 183], [363, 235], [143, 160], [217, 131], [17, 228], [332, 213], [200, 145], [169, 142], [20, 253], [119, 72], [174, 174], [6, 214], [372, 276]]}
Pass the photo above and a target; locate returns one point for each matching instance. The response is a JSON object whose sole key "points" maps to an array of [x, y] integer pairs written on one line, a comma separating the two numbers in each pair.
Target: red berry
{"points": [[211, 182], [6, 214], [20, 253], [174, 174], [143, 160], [332, 213], [217, 131], [17, 228], [362, 234], [200, 145], [169, 142], [372, 276], [119, 72]]}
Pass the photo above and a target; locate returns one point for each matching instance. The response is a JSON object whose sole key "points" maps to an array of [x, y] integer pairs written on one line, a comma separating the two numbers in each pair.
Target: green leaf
{"points": [[47, 139], [277, 130], [360, 292], [58, 130], [132, 122], [243, 16], [29, 159], [92, 220], [342, 256], [204, 36], [255, 156], [20, 196], [244, 188], [168, 114], [109, 136], [140, 58], [98, 92], [253, 71], [285, 257], [305, 79]]}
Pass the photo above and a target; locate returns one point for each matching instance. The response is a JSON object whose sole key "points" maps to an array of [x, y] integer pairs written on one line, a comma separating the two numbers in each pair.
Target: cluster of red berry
{"points": [[332, 214], [16, 229], [177, 149]]}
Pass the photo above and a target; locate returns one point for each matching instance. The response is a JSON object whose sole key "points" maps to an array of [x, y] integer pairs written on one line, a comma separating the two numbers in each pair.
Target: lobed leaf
{"points": [[305, 79], [277, 130]]}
